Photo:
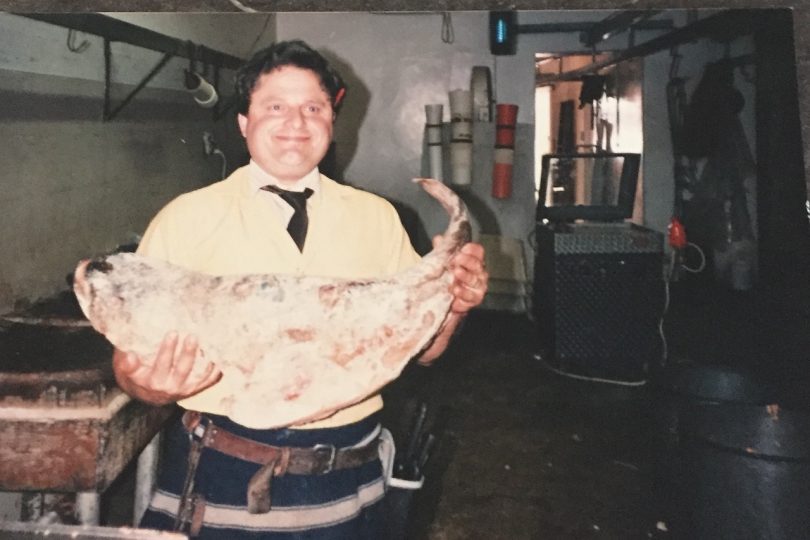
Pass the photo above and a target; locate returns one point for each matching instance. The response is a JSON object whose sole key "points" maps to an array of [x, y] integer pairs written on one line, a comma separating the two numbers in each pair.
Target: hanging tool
{"points": [[410, 463], [425, 449]]}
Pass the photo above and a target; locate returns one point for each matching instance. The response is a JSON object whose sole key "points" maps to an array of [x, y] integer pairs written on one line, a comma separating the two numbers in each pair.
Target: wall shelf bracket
{"points": [[109, 112], [115, 30]]}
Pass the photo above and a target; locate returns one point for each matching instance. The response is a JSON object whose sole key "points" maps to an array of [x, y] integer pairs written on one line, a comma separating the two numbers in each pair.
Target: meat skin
{"points": [[292, 349]]}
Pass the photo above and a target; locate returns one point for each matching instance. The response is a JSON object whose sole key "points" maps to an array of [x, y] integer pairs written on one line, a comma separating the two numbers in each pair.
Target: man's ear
{"points": [[241, 119]]}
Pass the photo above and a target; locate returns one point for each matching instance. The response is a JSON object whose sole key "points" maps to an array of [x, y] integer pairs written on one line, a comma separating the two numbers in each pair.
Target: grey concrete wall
{"points": [[395, 63], [800, 11], [398, 63], [74, 186]]}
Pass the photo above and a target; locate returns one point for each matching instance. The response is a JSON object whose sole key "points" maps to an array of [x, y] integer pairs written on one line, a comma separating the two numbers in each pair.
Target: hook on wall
{"points": [[71, 43]]}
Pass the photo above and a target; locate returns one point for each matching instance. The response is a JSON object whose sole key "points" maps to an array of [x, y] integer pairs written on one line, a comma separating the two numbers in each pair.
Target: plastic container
{"points": [[433, 128], [461, 162], [460, 105], [502, 180], [729, 463], [506, 114]]}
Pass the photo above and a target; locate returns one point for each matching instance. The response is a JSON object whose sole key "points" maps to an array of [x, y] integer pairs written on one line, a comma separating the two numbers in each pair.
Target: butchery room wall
{"points": [[78, 185], [75, 184], [400, 62]]}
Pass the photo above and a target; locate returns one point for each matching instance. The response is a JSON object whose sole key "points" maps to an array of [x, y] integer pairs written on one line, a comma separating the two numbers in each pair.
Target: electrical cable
{"points": [[545, 364], [702, 264], [259, 35], [661, 333], [221, 154], [673, 261], [210, 148], [242, 7], [448, 36]]}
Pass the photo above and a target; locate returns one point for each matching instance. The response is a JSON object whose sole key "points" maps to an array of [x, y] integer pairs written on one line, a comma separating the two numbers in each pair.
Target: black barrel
{"points": [[746, 472], [730, 462], [676, 387]]}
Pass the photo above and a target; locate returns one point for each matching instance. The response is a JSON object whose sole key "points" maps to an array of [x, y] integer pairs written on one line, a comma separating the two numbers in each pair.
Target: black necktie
{"points": [[299, 221]]}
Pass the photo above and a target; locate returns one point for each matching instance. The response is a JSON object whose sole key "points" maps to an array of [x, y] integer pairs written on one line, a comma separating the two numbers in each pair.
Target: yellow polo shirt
{"points": [[230, 228]]}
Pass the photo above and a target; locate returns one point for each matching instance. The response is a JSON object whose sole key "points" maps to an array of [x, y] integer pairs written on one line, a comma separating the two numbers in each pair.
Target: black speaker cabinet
{"points": [[599, 298]]}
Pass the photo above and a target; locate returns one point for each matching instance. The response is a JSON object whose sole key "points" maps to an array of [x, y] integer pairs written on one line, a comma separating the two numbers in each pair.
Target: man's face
{"points": [[288, 126]]}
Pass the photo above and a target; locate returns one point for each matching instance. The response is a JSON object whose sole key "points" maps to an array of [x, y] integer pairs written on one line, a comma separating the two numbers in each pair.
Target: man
{"points": [[222, 479]]}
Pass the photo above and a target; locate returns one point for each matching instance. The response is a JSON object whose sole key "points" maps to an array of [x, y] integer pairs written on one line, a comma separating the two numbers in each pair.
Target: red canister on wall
{"points": [[506, 121]]}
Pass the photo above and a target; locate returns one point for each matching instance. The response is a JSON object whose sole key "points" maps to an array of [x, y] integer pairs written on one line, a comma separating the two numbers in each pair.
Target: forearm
{"points": [[469, 286], [442, 340]]}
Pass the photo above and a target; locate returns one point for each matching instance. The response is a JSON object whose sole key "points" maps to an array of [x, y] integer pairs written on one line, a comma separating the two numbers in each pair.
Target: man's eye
{"points": [[314, 109], [275, 107]]}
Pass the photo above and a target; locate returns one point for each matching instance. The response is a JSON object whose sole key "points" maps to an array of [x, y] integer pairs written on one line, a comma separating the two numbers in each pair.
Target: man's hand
{"points": [[469, 287], [170, 377], [471, 277]]}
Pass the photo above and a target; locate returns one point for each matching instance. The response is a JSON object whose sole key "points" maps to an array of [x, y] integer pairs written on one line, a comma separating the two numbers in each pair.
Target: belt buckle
{"points": [[198, 432], [325, 450]]}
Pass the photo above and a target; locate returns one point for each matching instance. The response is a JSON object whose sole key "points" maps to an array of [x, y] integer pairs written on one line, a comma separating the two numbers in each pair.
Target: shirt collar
{"points": [[259, 177]]}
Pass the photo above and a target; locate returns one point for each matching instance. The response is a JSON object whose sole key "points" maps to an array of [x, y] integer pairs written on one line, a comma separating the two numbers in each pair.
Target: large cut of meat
{"points": [[292, 348]]}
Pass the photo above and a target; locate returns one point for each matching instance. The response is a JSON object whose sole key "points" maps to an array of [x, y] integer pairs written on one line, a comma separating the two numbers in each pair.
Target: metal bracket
{"points": [[114, 30], [109, 113]]}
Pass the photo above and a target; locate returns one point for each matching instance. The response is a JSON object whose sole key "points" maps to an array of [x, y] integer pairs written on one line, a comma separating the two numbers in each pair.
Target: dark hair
{"points": [[287, 53]]}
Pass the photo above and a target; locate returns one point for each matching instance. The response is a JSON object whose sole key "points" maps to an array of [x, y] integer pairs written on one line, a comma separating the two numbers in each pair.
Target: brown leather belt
{"points": [[275, 460], [319, 459]]}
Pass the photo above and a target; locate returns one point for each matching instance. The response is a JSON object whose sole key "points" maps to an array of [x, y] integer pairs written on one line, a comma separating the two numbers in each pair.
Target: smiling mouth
{"points": [[292, 138]]}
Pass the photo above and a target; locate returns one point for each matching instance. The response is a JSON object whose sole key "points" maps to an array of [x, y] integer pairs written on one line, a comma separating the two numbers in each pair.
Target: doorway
{"points": [[597, 114]]}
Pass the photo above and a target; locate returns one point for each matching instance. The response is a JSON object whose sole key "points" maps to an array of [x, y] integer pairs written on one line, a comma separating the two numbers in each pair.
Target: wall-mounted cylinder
{"points": [[461, 162], [433, 128], [461, 140], [502, 173], [504, 156], [204, 93], [481, 89]]}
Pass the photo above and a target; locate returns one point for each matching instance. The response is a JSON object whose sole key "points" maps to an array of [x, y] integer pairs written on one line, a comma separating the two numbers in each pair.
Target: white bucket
{"points": [[461, 162], [435, 160], [433, 113], [461, 130], [460, 105], [434, 130]]}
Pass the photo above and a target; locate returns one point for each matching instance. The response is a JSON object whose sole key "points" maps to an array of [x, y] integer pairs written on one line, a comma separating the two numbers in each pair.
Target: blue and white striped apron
{"points": [[342, 504]]}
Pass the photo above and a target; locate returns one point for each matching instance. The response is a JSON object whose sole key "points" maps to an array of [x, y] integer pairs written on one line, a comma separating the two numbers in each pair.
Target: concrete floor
{"points": [[526, 454], [529, 454]]}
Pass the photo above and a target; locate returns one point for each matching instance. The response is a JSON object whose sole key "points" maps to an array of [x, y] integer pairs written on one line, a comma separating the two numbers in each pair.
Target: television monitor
{"points": [[597, 186]]}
